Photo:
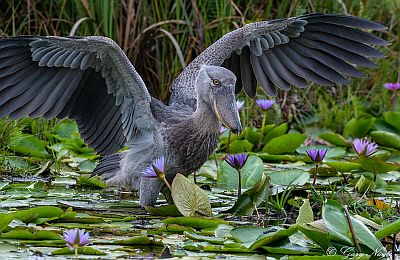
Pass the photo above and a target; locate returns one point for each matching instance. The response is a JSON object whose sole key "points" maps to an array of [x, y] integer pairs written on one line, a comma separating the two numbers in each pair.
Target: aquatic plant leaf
{"points": [[306, 214], [283, 144], [29, 145], [318, 236], [39, 212], [335, 139], [392, 118], [275, 132], [195, 222], [358, 128], [386, 139], [289, 177], [248, 234], [174, 228], [27, 235], [91, 182], [375, 165], [252, 198], [189, 198], [144, 240], [336, 221], [212, 240], [65, 128], [342, 167], [268, 238], [392, 228], [5, 219], [86, 250], [166, 210], [363, 184], [240, 146], [220, 230]]}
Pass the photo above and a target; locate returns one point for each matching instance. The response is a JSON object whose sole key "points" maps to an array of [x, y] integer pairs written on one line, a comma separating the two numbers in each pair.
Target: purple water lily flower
{"points": [[364, 148], [222, 129], [158, 165], [237, 161], [265, 104], [239, 104], [392, 86], [76, 238], [317, 155]]}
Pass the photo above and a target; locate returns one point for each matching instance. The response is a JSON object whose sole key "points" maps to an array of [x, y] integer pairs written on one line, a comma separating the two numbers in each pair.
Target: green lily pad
{"points": [[375, 165], [334, 138], [306, 214], [91, 182], [392, 118], [386, 139], [283, 144], [166, 210], [358, 128], [5, 219], [342, 167], [189, 198], [197, 223], [213, 240], [29, 145], [86, 250]]}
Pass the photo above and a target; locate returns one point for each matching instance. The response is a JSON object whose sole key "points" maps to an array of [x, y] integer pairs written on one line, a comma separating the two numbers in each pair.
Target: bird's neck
{"points": [[206, 117]]}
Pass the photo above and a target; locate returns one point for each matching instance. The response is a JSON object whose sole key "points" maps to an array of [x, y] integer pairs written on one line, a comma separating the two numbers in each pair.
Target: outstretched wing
{"points": [[319, 48], [89, 79]]}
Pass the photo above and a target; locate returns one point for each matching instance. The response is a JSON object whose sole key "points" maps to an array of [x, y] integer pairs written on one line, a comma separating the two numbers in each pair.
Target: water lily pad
{"points": [[86, 250], [283, 144], [268, 238], [29, 145], [213, 240], [392, 118], [376, 165], [5, 219], [358, 128], [275, 132], [386, 139], [334, 138], [306, 214], [91, 182], [342, 167], [197, 223], [166, 210], [289, 177], [27, 235], [189, 198]]}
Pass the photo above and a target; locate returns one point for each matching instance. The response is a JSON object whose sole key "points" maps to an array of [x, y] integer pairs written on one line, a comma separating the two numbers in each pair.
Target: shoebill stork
{"points": [[91, 80]]}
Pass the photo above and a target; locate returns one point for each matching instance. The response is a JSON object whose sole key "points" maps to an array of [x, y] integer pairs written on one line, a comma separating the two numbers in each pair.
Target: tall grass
{"points": [[161, 36]]}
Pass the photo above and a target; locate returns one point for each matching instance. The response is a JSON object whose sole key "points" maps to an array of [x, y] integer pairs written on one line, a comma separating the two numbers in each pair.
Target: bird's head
{"points": [[216, 87]]}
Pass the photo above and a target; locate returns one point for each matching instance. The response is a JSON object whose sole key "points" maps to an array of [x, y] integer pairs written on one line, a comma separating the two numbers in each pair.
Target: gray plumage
{"points": [[91, 80]]}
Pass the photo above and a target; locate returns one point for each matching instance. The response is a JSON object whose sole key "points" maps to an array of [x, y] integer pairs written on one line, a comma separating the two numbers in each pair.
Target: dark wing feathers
{"points": [[282, 53], [88, 79]]}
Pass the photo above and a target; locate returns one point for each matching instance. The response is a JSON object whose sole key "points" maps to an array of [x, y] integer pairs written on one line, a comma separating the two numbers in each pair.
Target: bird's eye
{"points": [[216, 82]]}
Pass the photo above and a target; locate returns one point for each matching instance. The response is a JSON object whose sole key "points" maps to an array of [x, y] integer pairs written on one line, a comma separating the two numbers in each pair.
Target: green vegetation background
{"points": [[161, 36]]}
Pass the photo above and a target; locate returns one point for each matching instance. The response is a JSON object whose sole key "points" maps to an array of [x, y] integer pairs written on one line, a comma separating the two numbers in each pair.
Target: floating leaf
{"points": [[336, 221], [189, 198], [248, 235], [268, 238], [91, 182], [334, 138], [5, 219], [392, 118], [213, 240], [344, 166], [287, 143], [358, 128], [289, 177], [144, 240], [375, 165], [392, 228], [252, 198], [167, 210], [38, 212], [306, 214], [26, 235], [197, 223], [363, 184], [174, 228], [275, 132], [240, 146], [86, 250], [386, 139]]}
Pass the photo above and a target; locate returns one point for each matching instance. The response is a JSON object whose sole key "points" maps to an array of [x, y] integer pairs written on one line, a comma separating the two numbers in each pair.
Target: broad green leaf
{"points": [[342, 167], [29, 145], [318, 236], [167, 210], [248, 234], [392, 118], [65, 129], [283, 144], [38, 212], [275, 132], [189, 198], [358, 127], [250, 134], [334, 138], [174, 228], [306, 214], [386, 139], [220, 230], [144, 240], [197, 223], [293, 177], [86, 250], [240, 146], [251, 198], [213, 240], [381, 125], [227, 177], [5, 219], [91, 182], [27, 235], [336, 221], [279, 157], [375, 165], [268, 238], [363, 184], [392, 228]]}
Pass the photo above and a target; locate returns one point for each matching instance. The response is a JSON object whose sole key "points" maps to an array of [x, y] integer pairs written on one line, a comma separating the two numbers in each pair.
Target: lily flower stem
{"points": [[394, 100], [76, 253], [262, 130], [315, 174], [166, 183], [229, 141], [346, 210], [240, 183]]}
